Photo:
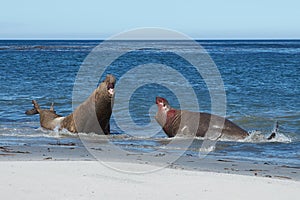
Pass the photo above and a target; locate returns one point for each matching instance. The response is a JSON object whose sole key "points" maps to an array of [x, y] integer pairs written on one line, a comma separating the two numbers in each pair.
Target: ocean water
{"points": [[261, 81]]}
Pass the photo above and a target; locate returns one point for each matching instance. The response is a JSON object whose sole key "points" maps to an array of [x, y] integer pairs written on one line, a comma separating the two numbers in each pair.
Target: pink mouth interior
{"points": [[110, 88], [159, 100], [111, 91]]}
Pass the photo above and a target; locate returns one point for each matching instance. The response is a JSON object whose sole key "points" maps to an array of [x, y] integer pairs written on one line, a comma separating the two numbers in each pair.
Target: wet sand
{"points": [[105, 152], [69, 171]]}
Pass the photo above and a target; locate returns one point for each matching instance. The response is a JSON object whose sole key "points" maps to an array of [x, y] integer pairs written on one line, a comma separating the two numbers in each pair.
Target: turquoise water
{"points": [[261, 80]]}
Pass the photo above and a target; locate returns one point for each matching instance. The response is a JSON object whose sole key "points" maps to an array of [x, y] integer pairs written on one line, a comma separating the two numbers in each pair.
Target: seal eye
{"points": [[164, 105]]}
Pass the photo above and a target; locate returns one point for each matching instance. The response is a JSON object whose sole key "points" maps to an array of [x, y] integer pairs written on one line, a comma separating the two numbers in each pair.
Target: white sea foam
{"points": [[34, 133], [207, 149], [258, 137]]}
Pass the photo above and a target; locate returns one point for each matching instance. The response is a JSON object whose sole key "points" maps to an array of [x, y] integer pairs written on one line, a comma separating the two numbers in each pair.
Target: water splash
{"points": [[259, 137]]}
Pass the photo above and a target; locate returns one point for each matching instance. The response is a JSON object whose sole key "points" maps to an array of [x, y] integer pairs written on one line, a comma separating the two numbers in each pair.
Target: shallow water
{"points": [[261, 80]]}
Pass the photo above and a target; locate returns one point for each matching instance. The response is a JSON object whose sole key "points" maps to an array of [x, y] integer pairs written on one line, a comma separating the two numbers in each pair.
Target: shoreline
{"points": [[155, 161], [67, 170]]}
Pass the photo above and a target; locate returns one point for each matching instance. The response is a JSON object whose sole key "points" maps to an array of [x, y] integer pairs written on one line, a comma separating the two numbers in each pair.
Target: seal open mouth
{"points": [[110, 88], [160, 100]]}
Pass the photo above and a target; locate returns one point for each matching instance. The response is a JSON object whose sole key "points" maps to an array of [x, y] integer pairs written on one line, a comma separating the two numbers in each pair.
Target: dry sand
{"points": [[69, 171], [92, 180]]}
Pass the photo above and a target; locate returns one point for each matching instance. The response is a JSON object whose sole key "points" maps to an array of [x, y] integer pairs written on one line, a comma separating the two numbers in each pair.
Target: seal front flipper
{"points": [[274, 132]]}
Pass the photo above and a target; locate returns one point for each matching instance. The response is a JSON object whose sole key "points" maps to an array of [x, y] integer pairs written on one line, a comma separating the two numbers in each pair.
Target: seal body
{"points": [[93, 115], [200, 124]]}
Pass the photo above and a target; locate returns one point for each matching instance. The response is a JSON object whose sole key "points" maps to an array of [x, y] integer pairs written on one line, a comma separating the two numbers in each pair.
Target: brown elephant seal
{"points": [[93, 115], [182, 122]]}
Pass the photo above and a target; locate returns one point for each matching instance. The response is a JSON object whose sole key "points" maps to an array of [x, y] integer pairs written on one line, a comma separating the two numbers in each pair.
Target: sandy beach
{"points": [[92, 180], [69, 171]]}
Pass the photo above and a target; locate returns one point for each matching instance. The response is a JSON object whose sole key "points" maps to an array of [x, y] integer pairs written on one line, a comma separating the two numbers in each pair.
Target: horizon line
{"points": [[102, 39]]}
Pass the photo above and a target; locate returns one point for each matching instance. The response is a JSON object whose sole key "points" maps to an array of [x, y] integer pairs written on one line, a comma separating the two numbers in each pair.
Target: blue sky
{"points": [[209, 19]]}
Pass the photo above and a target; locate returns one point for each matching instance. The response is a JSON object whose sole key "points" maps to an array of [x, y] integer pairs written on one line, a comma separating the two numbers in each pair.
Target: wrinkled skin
{"points": [[186, 123], [93, 115]]}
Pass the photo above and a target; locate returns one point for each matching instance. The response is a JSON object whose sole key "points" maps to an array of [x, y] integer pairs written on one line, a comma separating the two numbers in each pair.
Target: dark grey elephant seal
{"points": [[93, 115], [182, 122]]}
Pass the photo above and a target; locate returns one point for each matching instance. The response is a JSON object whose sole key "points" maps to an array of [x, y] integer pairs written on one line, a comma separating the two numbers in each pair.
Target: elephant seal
{"points": [[200, 124], [94, 111]]}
